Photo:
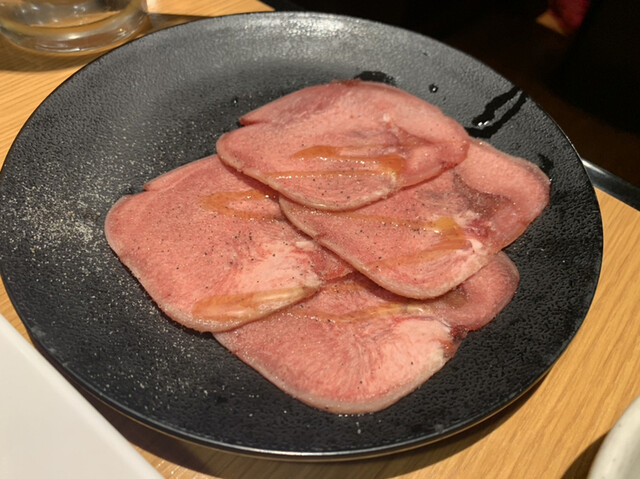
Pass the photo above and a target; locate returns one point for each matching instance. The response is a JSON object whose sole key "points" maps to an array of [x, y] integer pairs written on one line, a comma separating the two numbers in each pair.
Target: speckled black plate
{"points": [[162, 101]]}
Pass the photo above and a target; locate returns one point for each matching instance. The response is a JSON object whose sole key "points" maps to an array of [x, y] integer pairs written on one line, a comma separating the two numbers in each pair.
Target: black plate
{"points": [[162, 101]]}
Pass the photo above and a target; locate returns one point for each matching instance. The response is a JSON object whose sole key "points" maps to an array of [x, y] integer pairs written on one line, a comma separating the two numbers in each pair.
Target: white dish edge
{"points": [[48, 429]]}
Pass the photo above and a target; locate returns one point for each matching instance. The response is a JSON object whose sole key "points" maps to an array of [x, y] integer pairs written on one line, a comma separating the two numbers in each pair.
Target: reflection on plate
{"points": [[48, 428], [619, 455], [162, 101]]}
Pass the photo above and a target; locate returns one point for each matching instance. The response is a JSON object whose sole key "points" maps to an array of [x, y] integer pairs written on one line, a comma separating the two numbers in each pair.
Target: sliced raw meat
{"points": [[356, 348], [213, 249], [344, 144], [426, 239]]}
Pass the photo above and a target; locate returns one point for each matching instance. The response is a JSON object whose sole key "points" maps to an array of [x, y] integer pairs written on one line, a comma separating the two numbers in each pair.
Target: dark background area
{"points": [[586, 81]]}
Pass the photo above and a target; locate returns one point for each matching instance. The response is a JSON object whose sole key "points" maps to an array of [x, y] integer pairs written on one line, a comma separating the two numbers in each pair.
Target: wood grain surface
{"points": [[553, 431]]}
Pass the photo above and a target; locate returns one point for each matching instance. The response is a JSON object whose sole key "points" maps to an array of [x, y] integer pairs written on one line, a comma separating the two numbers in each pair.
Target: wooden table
{"points": [[554, 431]]}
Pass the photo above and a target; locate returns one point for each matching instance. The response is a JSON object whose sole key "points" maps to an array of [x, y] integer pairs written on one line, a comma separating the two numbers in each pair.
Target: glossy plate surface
{"points": [[162, 101]]}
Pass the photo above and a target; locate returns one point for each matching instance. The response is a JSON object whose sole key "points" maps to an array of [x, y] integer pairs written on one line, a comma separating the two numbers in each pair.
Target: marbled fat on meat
{"points": [[344, 144], [212, 248], [426, 239], [354, 347]]}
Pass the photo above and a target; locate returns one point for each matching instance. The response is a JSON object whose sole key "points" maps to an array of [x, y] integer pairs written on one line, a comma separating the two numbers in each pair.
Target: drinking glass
{"points": [[71, 25]]}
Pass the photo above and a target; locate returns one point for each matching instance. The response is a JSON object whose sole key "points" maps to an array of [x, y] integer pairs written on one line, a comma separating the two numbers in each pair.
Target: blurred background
{"points": [[578, 59]]}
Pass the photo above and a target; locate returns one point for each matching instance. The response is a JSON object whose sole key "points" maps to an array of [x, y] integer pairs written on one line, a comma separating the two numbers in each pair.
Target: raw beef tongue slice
{"points": [[356, 348], [344, 144], [423, 240], [212, 248]]}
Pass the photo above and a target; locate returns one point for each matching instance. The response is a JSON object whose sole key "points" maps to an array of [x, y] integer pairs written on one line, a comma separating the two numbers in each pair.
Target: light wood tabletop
{"points": [[553, 431]]}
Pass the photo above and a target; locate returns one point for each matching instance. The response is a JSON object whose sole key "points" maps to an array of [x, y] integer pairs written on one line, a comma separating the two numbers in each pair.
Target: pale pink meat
{"points": [[426, 239], [344, 144], [212, 248], [356, 348]]}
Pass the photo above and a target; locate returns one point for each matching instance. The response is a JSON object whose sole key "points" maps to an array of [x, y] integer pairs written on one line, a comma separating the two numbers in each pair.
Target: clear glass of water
{"points": [[71, 26]]}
